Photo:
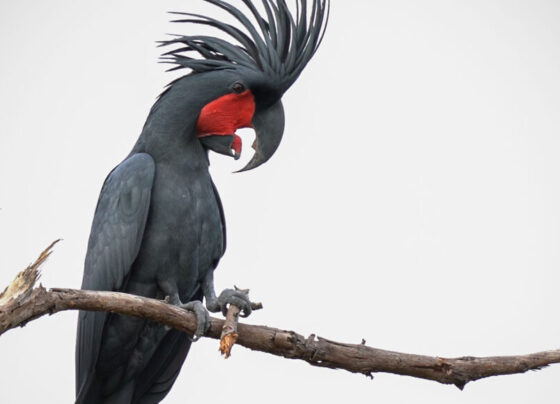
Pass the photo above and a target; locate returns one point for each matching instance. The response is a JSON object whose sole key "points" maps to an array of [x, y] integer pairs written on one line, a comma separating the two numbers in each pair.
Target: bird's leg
{"points": [[195, 306], [215, 304]]}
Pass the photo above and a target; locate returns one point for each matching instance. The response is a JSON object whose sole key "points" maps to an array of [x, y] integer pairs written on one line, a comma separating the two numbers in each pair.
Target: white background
{"points": [[414, 201]]}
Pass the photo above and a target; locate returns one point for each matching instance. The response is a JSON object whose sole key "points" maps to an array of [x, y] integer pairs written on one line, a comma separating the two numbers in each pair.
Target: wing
{"points": [[222, 217], [114, 242]]}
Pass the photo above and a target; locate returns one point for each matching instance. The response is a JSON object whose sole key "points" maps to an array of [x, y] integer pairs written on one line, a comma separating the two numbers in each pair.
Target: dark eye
{"points": [[238, 88]]}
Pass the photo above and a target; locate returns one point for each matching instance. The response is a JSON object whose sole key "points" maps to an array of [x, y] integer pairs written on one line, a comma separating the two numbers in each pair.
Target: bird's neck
{"points": [[170, 130]]}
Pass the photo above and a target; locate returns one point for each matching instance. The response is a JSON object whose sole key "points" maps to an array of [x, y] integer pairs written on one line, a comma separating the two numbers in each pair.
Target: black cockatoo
{"points": [[159, 228]]}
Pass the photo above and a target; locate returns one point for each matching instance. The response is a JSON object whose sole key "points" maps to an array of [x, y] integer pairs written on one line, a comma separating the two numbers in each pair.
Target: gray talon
{"points": [[202, 318], [237, 298]]}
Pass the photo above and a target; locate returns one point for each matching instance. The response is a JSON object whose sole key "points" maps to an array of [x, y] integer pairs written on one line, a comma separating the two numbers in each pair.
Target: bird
{"points": [[159, 230]]}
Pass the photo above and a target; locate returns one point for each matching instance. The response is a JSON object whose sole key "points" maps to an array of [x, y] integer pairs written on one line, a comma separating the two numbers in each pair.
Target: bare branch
{"points": [[229, 334], [24, 303]]}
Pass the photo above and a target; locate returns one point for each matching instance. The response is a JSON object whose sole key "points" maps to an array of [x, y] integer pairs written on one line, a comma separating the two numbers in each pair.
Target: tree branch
{"points": [[22, 302]]}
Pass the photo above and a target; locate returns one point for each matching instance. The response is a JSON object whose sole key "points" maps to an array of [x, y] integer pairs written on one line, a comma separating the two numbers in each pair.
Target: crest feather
{"points": [[276, 43]]}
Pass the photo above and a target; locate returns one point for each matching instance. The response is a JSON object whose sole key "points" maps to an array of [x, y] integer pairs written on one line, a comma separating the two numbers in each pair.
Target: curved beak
{"points": [[269, 127]]}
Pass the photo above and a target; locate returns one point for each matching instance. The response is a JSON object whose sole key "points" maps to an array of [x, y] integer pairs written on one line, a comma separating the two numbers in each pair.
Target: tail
{"points": [[91, 393], [152, 385], [157, 379]]}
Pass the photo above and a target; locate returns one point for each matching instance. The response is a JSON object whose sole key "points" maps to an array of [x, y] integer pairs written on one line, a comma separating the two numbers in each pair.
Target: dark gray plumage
{"points": [[159, 227], [281, 50]]}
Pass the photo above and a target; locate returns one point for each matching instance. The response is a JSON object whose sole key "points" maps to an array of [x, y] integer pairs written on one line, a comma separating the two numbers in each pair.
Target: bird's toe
{"points": [[202, 318], [238, 298]]}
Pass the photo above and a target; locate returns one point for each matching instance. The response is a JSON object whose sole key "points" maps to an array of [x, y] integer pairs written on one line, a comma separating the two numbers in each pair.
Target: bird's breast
{"points": [[184, 234]]}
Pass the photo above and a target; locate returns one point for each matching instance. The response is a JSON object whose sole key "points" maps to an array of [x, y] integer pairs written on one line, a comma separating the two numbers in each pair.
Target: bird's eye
{"points": [[238, 88]]}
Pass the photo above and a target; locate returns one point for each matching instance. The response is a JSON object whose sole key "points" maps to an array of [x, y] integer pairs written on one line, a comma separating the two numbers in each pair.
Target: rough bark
{"points": [[21, 302]]}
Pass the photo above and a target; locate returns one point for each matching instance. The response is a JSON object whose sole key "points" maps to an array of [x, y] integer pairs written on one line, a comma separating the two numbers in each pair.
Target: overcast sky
{"points": [[414, 201]]}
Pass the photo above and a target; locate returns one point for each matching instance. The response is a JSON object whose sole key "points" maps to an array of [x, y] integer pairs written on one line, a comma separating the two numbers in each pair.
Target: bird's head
{"points": [[245, 80]]}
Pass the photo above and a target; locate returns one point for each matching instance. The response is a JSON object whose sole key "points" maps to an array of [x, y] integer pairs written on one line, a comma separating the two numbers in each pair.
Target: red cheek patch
{"points": [[226, 114]]}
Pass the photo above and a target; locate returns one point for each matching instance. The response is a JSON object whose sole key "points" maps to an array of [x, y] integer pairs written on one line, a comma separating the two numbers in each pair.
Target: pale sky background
{"points": [[414, 201]]}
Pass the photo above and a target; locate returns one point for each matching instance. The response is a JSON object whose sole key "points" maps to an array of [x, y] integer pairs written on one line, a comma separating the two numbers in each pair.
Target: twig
{"points": [[229, 331]]}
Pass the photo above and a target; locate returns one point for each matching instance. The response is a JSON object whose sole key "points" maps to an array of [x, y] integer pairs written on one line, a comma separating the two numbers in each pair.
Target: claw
{"points": [[202, 318], [238, 298]]}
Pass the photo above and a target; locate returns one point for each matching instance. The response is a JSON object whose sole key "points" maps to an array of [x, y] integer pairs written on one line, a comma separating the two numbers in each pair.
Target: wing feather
{"points": [[115, 239]]}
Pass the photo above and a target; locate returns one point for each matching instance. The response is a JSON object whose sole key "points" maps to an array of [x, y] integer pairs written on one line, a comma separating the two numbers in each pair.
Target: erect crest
{"points": [[278, 44]]}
